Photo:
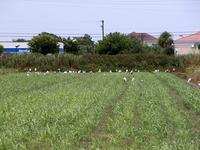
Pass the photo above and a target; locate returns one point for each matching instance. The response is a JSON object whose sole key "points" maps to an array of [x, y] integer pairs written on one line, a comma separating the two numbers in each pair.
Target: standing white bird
{"points": [[198, 84], [189, 80], [99, 70], [125, 79], [110, 71]]}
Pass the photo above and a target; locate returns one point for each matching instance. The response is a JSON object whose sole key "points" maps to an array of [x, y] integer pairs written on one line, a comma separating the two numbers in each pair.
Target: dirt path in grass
{"points": [[100, 131], [192, 117]]}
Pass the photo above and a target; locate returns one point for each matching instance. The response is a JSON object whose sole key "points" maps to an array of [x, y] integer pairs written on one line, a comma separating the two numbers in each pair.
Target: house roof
{"points": [[145, 36], [191, 38]]}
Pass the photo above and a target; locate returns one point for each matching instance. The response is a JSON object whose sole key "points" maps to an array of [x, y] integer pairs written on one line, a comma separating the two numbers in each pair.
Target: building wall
{"points": [[186, 48], [20, 47]]}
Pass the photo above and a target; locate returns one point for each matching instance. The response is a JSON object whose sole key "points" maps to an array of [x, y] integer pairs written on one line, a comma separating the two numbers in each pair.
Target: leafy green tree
{"points": [[85, 43], [71, 46], [1, 49], [114, 43], [44, 44], [20, 40], [136, 46], [166, 42]]}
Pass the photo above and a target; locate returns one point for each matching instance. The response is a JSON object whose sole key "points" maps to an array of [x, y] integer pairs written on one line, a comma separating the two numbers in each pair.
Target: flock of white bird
{"points": [[125, 79]]}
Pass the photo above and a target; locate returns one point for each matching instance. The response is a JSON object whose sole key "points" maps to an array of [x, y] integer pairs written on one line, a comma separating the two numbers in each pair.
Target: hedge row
{"points": [[145, 62]]}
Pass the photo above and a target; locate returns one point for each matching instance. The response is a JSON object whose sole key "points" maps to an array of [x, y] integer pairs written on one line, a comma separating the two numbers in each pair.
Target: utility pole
{"points": [[103, 30]]}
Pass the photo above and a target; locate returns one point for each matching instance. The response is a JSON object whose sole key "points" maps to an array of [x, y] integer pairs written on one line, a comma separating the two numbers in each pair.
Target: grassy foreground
{"points": [[98, 111]]}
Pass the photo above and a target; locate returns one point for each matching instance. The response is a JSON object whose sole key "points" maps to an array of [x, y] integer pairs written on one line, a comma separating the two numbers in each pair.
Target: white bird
{"points": [[110, 71], [99, 70], [174, 69], [189, 80], [70, 71], [65, 72], [126, 70], [35, 69], [47, 72], [131, 72], [30, 69], [84, 71], [133, 79], [79, 71], [198, 84], [125, 79], [119, 71]]}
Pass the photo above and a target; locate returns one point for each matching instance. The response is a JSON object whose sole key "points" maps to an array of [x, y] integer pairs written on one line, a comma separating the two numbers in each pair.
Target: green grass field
{"points": [[156, 111]]}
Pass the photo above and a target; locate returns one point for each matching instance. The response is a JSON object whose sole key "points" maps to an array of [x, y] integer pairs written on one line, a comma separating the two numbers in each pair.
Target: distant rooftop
{"points": [[145, 36], [191, 38]]}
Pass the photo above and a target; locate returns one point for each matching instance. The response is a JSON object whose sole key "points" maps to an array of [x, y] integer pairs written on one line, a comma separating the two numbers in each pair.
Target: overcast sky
{"points": [[83, 16]]}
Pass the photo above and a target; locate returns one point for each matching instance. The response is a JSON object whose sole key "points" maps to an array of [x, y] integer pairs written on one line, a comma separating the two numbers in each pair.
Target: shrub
{"points": [[114, 43], [42, 62], [1, 49], [89, 62], [145, 62], [71, 46], [44, 44]]}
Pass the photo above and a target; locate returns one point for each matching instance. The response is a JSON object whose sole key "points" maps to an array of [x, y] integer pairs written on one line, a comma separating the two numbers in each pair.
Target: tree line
{"points": [[112, 44]]}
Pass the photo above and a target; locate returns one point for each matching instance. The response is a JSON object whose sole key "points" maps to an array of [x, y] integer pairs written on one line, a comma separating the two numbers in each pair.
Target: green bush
{"points": [[44, 44], [1, 49], [42, 62], [114, 43], [145, 62], [89, 62], [71, 46]]}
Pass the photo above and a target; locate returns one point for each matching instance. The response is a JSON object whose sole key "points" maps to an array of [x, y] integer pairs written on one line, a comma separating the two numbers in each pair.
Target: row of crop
{"points": [[59, 115], [148, 118]]}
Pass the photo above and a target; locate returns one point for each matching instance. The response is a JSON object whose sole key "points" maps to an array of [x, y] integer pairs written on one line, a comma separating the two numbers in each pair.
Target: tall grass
{"points": [[89, 62]]}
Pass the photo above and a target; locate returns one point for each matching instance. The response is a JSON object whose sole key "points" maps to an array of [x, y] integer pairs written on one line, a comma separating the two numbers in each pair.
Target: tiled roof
{"points": [[191, 38], [145, 36]]}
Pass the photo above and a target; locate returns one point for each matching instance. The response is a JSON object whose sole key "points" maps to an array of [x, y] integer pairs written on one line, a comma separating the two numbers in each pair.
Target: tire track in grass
{"points": [[192, 117], [100, 130]]}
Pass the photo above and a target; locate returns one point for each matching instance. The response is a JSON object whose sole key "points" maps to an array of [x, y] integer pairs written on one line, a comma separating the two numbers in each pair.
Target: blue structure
{"points": [[21, 47]]}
